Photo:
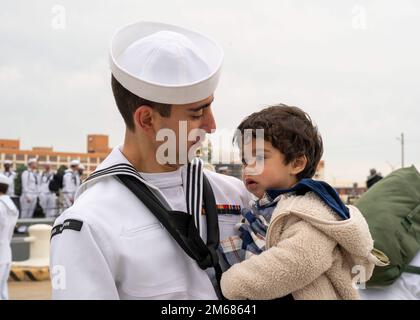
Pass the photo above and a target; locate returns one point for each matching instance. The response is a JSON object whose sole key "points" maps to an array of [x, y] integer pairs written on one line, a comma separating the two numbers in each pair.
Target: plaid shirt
{"points": [[253, 229]]}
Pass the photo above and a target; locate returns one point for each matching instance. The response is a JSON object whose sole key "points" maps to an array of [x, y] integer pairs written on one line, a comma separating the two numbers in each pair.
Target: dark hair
{"points": [[128, 103], [291, 131], [3, 188]]}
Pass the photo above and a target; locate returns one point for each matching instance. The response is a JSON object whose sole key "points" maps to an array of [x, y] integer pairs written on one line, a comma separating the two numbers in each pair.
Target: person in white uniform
{"points": [[71, 181], [30, 189], [8, 217], [81, 171], [8, 172], [47, 198], [109, 244]]}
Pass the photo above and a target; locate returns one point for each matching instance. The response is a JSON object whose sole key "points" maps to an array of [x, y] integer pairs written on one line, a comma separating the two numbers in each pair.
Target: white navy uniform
{"points": [[11, 175], [112, 247], [47, 198], [8, 217], [71, 181], [108, 245], [30, 192]]}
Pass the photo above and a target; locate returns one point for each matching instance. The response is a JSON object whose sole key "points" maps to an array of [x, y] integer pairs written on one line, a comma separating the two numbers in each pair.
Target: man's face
{"points": [[7, 166], [33, 165], [194, 116], [47, 167]]}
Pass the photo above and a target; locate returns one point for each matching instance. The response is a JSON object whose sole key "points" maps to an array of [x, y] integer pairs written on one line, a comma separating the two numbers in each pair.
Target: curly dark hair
{"points": [[291, 131]]}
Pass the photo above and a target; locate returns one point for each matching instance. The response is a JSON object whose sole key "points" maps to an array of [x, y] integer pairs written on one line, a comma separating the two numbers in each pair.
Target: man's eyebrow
{"points": [[201, 107]]}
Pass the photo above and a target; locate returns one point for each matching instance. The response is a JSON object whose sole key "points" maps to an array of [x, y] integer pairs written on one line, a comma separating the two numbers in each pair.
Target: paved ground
{"points": [[29, 290]]}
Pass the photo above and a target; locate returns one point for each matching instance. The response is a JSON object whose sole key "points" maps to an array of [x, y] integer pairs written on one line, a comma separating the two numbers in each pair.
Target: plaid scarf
{"points": [[252, 232]]}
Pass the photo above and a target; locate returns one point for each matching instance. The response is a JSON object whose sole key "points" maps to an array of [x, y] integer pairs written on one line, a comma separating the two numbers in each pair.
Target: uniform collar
{"points": [[115, 163], [165, 179]]}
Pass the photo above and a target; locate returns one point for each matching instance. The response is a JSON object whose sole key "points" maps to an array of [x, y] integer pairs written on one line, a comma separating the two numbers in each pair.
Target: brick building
{"points": [[97, 150]]}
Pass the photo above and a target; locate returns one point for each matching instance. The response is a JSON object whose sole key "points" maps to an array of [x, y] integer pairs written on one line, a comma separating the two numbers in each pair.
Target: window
{"points": [[20, 157], [53, 158], [63, 159]]}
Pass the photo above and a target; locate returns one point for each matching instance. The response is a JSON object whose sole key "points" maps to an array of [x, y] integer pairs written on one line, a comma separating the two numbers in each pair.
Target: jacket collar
{"points": [[322, 189]]}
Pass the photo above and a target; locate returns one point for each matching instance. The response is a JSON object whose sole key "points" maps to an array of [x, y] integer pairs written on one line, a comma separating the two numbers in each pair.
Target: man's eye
{"points": [[197, 117]]}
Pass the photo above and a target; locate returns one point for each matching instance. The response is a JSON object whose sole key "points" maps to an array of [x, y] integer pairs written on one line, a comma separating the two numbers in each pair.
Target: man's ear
{"points": [[143, 119], [299, 164]]}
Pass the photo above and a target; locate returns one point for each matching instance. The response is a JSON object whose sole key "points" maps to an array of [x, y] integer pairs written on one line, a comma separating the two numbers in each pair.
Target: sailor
{"points": [[71, 181], [8, 217], [81, 171], [223, 170], [47, 198], [110, 244], [30, 189], [8, 172]]}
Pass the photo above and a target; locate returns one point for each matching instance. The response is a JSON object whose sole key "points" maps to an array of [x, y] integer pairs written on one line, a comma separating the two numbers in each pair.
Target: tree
{"points": [[18, 179]]}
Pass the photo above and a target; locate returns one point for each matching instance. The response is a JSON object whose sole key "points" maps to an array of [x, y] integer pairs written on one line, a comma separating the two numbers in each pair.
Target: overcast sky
{"points": [[352, 65]]}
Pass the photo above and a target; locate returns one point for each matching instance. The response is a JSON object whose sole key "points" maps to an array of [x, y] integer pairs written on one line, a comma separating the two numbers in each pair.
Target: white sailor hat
{"points": [[8, 162], [74, 162], [4, 179], [81, 166], [32, 160], [165, 63]]}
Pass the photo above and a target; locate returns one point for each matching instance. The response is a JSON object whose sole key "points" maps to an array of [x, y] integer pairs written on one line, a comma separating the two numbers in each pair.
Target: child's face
{"points": [[264, 168]]}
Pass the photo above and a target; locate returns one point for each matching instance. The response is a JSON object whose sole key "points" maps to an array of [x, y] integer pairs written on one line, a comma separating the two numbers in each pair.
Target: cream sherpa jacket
{"points": [[310, 254]]}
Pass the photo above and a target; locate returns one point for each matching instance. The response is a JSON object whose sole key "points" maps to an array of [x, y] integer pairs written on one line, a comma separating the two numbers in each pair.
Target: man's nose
{"points": [[209, 124]]}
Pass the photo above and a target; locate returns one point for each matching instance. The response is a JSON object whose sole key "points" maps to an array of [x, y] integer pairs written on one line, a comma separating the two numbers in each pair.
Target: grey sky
{"points": [[360, 85]]}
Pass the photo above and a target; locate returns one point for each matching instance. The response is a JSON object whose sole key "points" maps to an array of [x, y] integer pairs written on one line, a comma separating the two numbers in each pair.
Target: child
{"points": [[301, 240], [8, 218]]}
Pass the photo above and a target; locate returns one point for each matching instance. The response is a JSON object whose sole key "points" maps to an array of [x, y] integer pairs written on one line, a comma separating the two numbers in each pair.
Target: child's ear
{"points": [[299, 164]]}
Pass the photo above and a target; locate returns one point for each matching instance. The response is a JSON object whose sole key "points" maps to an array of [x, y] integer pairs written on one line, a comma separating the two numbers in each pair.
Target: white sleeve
{"points": [[39, 184], [24, 181], [66, 182], [79, 268], [3, 216]]}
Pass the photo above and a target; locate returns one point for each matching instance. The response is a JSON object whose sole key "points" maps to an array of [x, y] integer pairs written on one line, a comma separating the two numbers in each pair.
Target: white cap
{"points": [[32, 160], [4, 179], [165, 63], [81, 166], [74, 162], [8, 162]]}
